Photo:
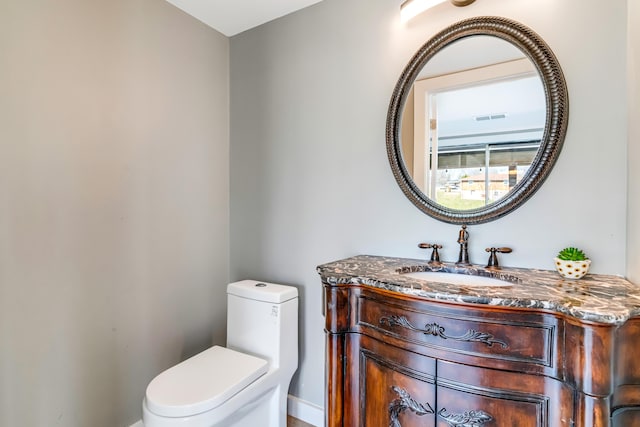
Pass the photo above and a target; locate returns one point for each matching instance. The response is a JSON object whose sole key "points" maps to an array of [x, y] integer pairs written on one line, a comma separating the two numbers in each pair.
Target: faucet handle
{"points": [[435, 255], [493, 258]]}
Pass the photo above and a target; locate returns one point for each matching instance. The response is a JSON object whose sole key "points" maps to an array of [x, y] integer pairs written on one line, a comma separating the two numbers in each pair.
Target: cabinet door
{"points": [[626, 417], [387, 386], [478, 397], [460, 405]]}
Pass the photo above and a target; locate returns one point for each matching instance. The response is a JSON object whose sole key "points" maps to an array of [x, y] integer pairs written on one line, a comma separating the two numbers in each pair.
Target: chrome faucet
{"points": [[463, 240]]}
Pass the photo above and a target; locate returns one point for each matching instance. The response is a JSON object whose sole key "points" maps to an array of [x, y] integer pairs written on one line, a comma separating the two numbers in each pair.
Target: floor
{"points": [[294, 422]]}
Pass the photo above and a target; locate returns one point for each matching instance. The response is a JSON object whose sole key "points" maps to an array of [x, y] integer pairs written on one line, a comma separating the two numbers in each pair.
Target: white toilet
{"points": [[244, 384]]}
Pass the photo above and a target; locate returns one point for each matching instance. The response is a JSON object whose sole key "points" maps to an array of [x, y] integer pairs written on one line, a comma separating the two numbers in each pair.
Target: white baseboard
{"points": [[305, 411], [298, 408]]}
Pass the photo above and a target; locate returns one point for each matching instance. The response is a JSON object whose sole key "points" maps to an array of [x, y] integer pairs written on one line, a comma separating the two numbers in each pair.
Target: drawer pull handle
{"points": [[438, 331], [467, 419], [402, 404]]}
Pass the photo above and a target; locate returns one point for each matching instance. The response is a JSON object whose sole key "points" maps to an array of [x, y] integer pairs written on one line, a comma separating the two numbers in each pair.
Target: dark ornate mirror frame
{"points": [[557, 116]]}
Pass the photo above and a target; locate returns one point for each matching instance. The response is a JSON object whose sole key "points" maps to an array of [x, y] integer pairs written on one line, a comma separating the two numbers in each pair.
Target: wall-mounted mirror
{"points": [[477, 120]]}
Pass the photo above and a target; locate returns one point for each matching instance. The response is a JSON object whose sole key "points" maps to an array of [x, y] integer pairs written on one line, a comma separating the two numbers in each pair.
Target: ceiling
{"points": [[231, 17]]}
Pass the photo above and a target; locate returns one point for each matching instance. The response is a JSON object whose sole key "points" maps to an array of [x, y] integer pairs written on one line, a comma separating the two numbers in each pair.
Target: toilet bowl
{"points": [[244, 384]]}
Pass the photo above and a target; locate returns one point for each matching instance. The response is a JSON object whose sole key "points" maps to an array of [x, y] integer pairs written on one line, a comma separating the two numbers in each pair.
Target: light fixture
{"points": [[411, 8]]}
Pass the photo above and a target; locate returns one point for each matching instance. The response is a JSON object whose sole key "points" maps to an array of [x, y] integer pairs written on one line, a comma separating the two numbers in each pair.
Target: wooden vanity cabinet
{"points": [[395, 360]]}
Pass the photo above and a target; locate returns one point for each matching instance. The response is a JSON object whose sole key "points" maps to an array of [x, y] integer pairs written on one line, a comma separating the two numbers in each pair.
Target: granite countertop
{"points": [[597, 298]]}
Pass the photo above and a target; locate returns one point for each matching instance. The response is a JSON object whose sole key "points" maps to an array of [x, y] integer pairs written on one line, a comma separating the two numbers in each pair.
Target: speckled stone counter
{"points": [[596, 298]]}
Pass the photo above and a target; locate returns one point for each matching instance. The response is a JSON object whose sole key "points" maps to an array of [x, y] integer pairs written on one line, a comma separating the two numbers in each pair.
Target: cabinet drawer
{"points": [[523, 342]]}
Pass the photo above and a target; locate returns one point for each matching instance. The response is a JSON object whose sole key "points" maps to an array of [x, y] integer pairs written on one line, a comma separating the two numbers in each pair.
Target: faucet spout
{"points": [[463, 240]]}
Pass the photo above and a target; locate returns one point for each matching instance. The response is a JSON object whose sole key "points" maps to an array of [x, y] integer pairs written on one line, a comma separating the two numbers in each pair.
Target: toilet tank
{"points": [[262, 320]]}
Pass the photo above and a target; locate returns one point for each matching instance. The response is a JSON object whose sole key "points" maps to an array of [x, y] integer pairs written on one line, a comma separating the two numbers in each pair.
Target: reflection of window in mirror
{"points": [[476, 132]]}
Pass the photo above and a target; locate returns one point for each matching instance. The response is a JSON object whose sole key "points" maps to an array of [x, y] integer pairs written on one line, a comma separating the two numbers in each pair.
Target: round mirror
{"points": [[477, 120]]}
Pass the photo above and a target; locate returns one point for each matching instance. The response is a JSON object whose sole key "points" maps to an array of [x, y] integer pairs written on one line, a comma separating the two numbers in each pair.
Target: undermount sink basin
{"points": [[457, 279]]}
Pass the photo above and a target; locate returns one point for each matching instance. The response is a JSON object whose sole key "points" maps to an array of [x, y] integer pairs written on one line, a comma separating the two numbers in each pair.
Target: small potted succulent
{"points": [[572, 263]]}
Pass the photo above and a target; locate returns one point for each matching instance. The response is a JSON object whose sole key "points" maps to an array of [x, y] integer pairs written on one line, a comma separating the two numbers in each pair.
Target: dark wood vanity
{"points": [[403, 353]]}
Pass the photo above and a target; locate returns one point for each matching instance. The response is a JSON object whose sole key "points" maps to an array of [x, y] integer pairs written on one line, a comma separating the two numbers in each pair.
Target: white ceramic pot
{"points": [[572, 269]]}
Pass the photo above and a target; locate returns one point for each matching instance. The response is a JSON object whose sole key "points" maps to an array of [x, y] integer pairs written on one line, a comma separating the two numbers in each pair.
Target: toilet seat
{"points": [[202, 382]]}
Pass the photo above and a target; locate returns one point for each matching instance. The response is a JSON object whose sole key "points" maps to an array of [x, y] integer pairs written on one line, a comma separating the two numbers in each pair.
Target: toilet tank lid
{"points": [[262, 291], [202, 382]]}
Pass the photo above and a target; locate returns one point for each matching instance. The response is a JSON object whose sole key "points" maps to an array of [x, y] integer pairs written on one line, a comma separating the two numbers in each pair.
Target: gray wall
{"points": [[310, 181], [113, 204]]}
